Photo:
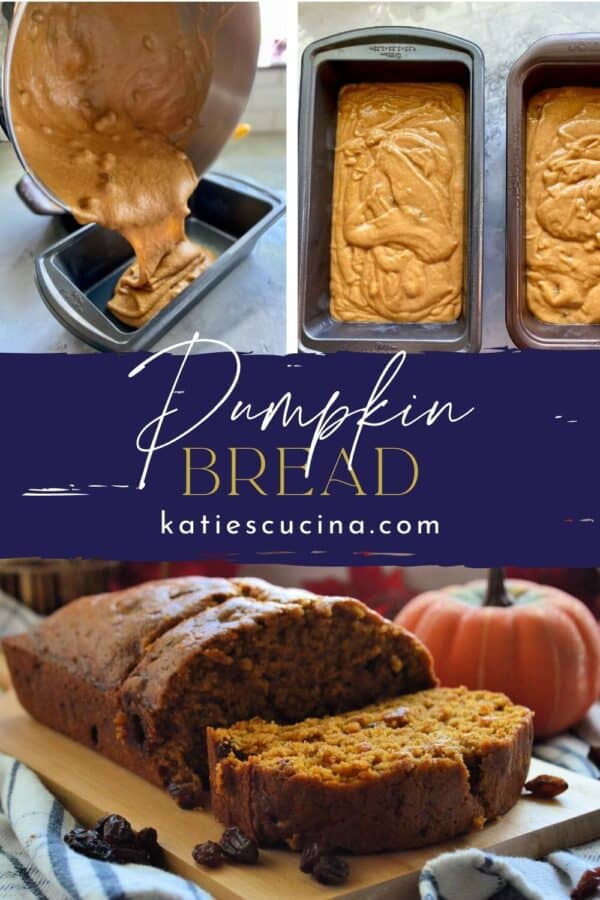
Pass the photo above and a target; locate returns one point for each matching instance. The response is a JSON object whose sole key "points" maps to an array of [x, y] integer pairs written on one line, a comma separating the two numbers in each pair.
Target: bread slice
{"points": [[407, 772], [139, 674]]}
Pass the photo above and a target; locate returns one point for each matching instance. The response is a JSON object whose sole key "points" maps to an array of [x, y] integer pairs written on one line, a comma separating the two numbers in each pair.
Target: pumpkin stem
{"points": [[497, 594]]}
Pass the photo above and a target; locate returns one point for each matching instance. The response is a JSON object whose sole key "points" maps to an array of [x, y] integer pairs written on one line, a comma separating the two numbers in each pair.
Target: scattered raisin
{"points": [[99, 826], [330, 869], [594, 755], [228, 748], [112, 839], [587, 885], [309, 857], [148, 838], [396, 716], [208, 854], [546, 787], [237, 847]]}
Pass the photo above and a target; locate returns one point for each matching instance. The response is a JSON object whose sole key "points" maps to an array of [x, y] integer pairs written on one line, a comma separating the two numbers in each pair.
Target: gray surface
{"points": [[247, 310], [503, 31]]}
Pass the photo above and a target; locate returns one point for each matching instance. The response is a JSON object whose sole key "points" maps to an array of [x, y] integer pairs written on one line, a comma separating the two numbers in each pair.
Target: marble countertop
{"points": [[247, 309], [503, 31]]}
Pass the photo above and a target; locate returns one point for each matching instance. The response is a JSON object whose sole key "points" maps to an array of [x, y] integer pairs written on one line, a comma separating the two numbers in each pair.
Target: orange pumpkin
{"points": [[535, 643]]}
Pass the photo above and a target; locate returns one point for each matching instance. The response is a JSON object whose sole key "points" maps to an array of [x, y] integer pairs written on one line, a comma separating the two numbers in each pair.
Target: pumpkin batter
{"points": [[398, 201], [563, 205], [104, 97]]}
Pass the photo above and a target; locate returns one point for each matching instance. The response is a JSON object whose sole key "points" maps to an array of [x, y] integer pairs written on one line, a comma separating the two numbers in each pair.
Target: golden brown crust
{"points": [[138, 674], [410, 803], [563, 251], [103, 637]]}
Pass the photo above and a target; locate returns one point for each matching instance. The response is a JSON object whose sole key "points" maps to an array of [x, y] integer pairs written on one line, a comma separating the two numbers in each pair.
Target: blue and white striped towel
{"points": [[36, 864]]}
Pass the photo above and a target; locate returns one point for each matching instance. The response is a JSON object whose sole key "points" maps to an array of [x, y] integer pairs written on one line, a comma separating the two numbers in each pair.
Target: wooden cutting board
{"points": [[89, 786]]}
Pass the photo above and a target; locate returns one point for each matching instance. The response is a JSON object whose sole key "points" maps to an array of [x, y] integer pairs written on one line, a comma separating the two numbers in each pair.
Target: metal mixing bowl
{"points": [[234, 68]]}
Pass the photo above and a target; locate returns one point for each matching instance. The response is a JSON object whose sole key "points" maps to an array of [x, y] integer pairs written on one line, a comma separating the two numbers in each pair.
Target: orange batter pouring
{"points": [[104, 97], [398, 200]]}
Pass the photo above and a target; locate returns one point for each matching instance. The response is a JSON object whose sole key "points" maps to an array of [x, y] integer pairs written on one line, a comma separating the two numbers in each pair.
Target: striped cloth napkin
{"points": [[36, 863]]}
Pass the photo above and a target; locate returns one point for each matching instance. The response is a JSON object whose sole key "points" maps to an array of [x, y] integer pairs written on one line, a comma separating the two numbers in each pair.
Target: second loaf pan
{"points": [[385, 55], [76, 277], [559, 61]]}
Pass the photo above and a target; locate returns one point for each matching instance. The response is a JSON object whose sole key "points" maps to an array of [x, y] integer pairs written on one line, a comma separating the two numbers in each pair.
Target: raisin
{"points": [[115, 829], [309, 857], [228, 748], [239, 848], [396, 716], [546, 787], [186, 795], [587, 885], [330, 869], [208, 854], [594, 755], [112, 839]]}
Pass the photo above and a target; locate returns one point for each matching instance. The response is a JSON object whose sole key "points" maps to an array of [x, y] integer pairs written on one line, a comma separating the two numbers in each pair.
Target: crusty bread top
{"points": [[104, 638]]}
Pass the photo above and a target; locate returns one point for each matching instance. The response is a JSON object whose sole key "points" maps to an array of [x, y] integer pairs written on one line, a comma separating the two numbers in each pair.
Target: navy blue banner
{"points": [[343, 459]]}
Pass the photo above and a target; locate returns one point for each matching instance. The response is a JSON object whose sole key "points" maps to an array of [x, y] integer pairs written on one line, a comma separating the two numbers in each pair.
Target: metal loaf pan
{"points": [[558, 61], [387, 55], [77, 276]]}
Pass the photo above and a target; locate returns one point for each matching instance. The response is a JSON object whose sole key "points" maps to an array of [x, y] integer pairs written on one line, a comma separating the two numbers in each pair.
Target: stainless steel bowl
{"points": [[236, 55]]}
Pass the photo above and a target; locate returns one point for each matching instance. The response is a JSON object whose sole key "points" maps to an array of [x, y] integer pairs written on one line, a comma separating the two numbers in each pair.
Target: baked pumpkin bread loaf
{"points": [[415, 770], [139, 674]]}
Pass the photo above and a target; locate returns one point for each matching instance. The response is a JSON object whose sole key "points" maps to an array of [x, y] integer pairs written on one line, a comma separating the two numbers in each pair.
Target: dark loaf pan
{"points": [[387, 55], [558, 61], [76, 277]]}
